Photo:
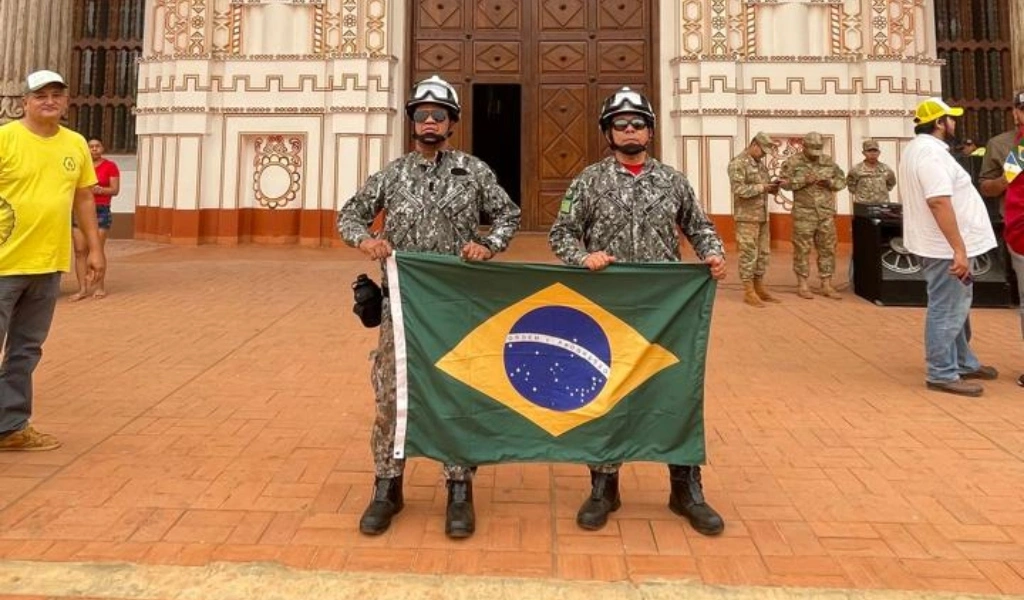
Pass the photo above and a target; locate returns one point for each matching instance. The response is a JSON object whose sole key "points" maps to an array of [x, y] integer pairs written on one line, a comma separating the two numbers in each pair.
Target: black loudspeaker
{"points": [[885, 273]]}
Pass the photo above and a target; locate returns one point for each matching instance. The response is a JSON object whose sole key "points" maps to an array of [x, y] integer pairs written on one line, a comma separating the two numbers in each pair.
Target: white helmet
{"points": [[434, 90], [625, 100]]}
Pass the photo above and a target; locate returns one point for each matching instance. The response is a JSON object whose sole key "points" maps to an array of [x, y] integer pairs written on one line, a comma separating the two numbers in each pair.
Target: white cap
{"points": [[40, 79]]}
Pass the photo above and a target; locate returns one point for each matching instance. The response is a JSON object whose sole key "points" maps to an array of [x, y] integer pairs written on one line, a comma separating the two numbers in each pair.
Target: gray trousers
{"points": [[26, 311]]}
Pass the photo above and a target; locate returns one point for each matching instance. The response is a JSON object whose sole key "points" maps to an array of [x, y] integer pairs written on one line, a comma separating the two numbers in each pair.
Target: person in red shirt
{"points": [[995, 183], [108, 186]]}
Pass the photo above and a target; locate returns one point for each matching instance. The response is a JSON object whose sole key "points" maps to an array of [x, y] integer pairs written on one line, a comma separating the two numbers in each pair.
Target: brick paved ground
{"points": [[216, 407]]}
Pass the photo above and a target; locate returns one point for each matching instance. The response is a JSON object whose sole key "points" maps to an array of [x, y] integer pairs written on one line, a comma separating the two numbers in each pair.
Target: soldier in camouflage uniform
{"points": [[814, 179], [626, 208], [751, 185], [432, 199], [871, 180]]}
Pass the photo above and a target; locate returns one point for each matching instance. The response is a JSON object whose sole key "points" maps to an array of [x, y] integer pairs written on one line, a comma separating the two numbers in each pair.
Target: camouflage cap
{"points": [[870, 145], [813, 144], [765, 141]]}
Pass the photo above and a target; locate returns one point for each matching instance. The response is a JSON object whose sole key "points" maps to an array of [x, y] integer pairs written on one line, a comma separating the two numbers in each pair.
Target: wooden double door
{"points": [[532, 75]]}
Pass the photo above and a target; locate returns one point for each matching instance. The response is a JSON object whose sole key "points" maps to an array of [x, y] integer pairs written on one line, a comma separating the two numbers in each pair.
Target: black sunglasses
{"points": [[438, 114], [637, 123]]}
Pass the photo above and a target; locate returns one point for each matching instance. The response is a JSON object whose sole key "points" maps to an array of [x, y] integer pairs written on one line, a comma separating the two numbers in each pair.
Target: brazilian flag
{"points": [[503, 362]]}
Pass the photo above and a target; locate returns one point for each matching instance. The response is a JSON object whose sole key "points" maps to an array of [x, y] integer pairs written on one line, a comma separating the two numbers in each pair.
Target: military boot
{"points": [[827, 290], [459, 520], [803, 290], [750, 296], [762, 293], [687, 500], [604, 499], [387, 502]]}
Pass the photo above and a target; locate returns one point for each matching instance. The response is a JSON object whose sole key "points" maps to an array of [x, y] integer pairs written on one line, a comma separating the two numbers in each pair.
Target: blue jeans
{"points": [[947, 326], [26, 311]]}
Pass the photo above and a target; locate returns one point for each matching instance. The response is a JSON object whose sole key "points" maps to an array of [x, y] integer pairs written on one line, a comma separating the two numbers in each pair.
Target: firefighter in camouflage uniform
{"points": [[432, 199], [626, 208]]}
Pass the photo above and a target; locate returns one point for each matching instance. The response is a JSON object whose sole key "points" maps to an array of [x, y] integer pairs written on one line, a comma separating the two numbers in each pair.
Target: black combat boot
{"points": [[387, 502], [604, 499], [687, 500], [459, 520]]}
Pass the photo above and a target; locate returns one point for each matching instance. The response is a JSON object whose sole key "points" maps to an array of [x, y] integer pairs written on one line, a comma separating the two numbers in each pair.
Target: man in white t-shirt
{"points": [[946, 224]]}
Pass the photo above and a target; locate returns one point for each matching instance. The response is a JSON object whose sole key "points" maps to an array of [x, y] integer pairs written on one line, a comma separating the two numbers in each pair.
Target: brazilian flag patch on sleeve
{"points": [[566, 206]]}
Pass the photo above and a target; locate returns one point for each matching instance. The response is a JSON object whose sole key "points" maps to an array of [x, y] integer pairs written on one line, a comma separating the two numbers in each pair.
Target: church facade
{"points": [[256, 119]]}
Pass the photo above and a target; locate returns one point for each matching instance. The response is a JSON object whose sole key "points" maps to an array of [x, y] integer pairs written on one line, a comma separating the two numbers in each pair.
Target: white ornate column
{"points": [[849, 69], [34, 34], [257, 119]]}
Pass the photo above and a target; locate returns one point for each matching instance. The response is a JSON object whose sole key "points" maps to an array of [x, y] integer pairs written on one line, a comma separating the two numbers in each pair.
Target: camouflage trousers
{"points": [[382, 440], [811, 230], [753, 242]]}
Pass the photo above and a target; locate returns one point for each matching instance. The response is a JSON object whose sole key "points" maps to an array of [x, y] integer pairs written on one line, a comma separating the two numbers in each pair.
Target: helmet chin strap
{"points": [[628, 149], [431, 139]]}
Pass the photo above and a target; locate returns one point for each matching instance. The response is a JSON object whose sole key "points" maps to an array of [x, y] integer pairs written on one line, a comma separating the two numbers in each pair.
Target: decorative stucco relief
{"points": [[711, 28], [179, 27], [351, 28], [823, 86], [277, 164], [226, 28], [720, 28], [846, 28], [186, 82], [894, 27]]}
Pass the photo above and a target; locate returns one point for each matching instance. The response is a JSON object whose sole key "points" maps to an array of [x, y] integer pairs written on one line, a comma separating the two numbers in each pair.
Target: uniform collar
{"points": [[420, 160], [617, 166]]}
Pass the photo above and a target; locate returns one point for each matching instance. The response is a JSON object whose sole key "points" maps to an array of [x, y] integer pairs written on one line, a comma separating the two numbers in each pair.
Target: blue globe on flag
{"points": [[557, 358]]}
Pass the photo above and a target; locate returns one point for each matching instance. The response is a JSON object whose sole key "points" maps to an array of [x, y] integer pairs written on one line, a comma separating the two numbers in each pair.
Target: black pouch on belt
{"points": [[369, 300]]}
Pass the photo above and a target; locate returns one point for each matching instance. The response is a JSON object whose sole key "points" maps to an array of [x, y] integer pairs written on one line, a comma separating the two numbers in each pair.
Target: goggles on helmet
{"points": [[625, 98], [436, 90]]}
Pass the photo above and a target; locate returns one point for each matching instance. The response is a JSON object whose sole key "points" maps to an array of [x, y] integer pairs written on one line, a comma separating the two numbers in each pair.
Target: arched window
{"points": [[104, 71], [974, 40]]}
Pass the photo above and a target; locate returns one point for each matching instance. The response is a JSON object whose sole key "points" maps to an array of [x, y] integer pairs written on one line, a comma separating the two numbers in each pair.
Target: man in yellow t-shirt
{"points": [[45, 172]]}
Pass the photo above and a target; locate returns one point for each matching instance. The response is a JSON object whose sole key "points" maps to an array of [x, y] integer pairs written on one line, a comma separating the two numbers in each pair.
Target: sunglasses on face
{"points": [[637, 123], [439, 115]]}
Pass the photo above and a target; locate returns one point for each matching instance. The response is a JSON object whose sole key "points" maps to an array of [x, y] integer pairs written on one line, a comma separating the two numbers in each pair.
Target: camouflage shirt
{"points": [[871, 184], [432, 205], [748, 178], [633, 218], [812, 195]]}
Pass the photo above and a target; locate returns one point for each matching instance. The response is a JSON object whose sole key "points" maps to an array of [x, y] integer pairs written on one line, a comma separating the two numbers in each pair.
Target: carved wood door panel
{"points": [[567, 55]]}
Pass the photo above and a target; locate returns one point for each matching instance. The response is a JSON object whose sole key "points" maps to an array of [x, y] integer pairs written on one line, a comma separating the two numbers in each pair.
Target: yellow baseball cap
{"points": [[933, 108]]}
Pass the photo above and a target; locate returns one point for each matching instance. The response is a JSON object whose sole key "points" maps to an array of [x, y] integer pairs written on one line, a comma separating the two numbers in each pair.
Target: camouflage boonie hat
{"points": [[870, 145], [765, 141]]}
